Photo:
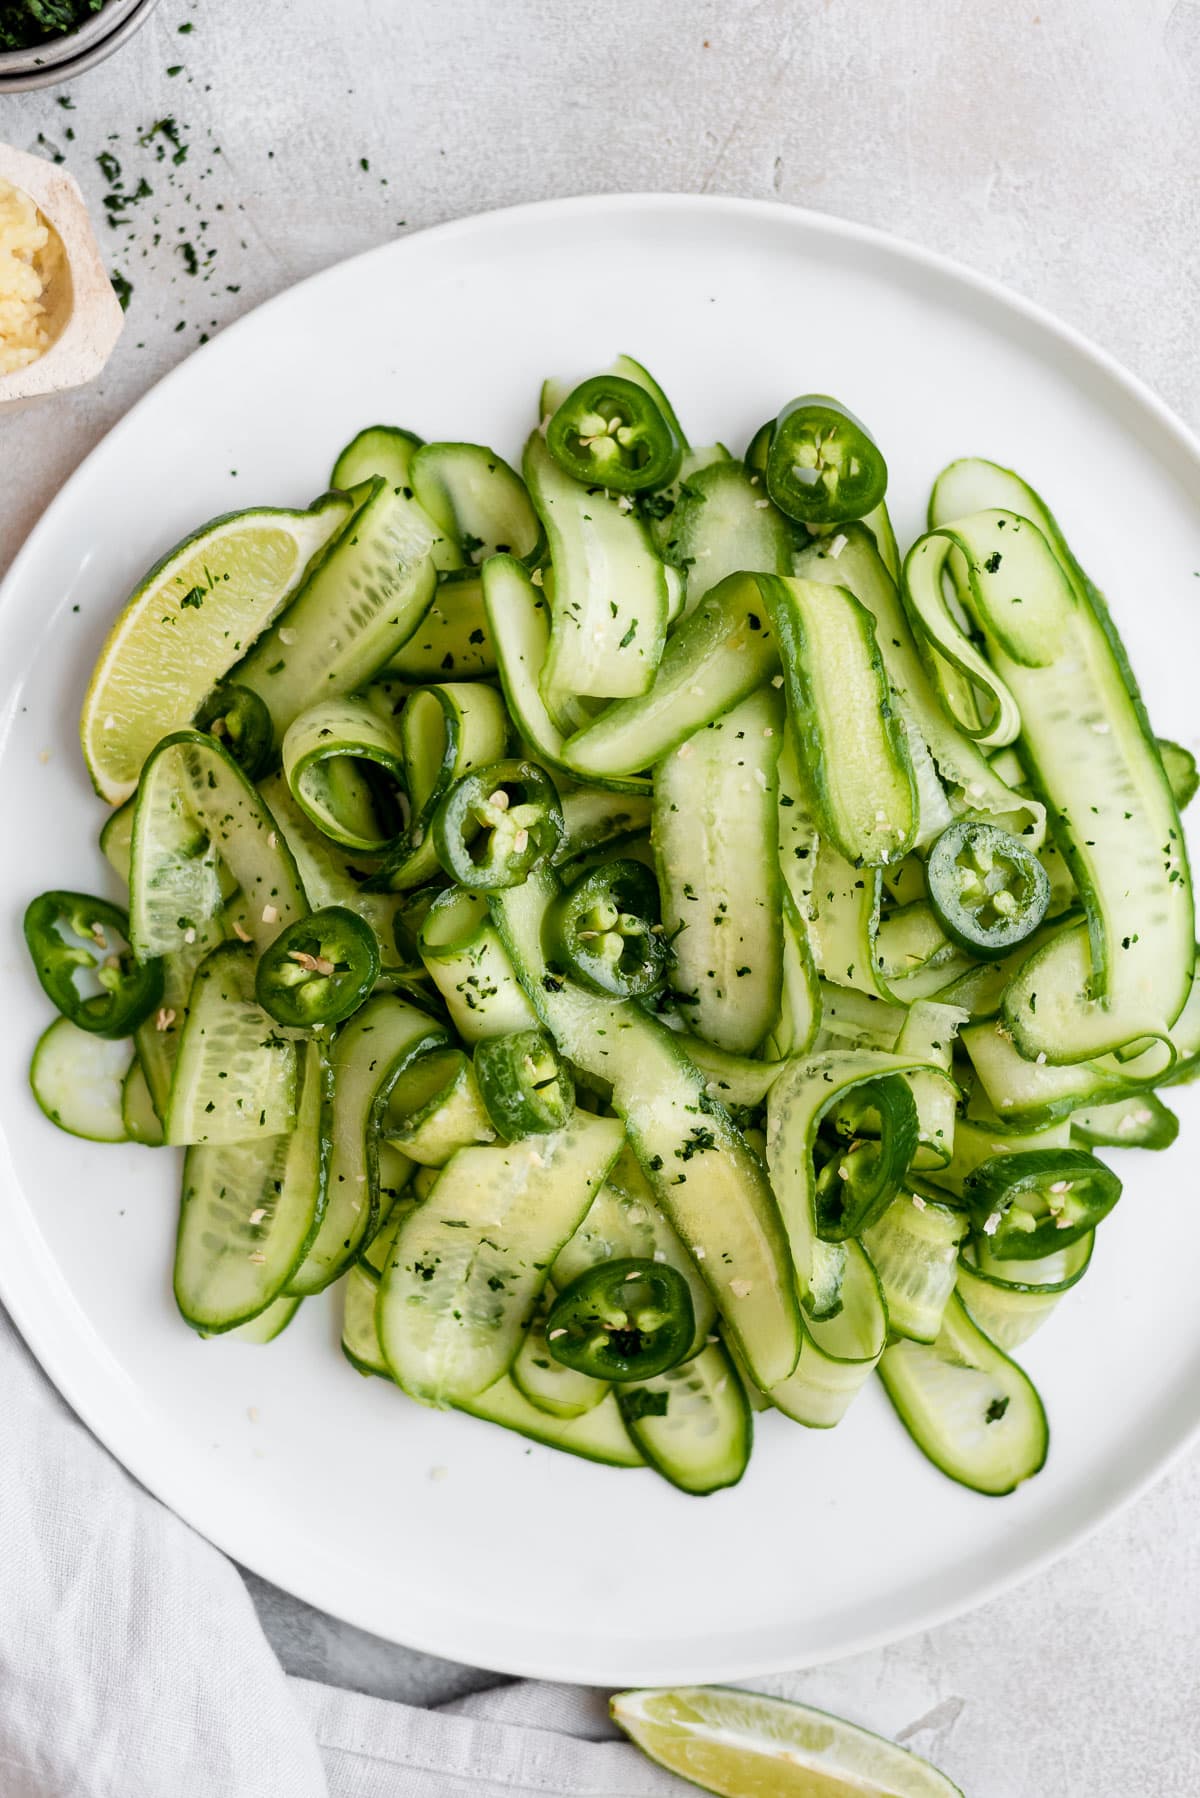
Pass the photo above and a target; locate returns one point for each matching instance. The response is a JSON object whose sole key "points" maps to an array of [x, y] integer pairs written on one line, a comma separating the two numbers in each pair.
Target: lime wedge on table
{"points": [[745, 1746], [189, 621]]}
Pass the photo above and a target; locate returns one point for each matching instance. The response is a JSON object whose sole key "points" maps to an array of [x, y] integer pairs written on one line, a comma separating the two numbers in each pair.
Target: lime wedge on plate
{"points": [[167, 650], [744, 1746]]}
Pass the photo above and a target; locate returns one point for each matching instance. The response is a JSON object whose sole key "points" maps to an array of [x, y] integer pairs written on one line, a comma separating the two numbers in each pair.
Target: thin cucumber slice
{"points": [[843, 923], [610, 606], [384, 450], [235, 1077], [251, 1209], [360, 1338], [1141, 1121], [1086, 745], [196, 809], [969, 1409], [269, 1323], [909, 937], [879, 523], [861, 782], [692, 1423], [722, 1207], [928, 1035], [471, 969], [370, 1052], [976, 787], [362, 601], [1179, 766], [141, 1120], [723, 523], [854, 1020], [518, 615], [78, 1079], [799, 1015], [344, 766], [599, 1435], [839, 1353], [914, 1247], [478, 500], [559, 1391], [445, 731], [718, 868], [374, 1255], [1028, 1094], [808, 1088], [387, 452], [329, 874], [452, 638], [469, 1264], [732, 1080], [625, 1222], [116, 840], [556, 388], [158, 1038], [191, 618], [596, 1435], [598, 819], [630, 370], [976, 1141], [1009, 1300], [715, 658], [436, 1108], [660, 507]]}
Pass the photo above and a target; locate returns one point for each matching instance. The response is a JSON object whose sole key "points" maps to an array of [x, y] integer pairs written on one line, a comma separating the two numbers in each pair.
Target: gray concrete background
{"points": [[1052, 143]]}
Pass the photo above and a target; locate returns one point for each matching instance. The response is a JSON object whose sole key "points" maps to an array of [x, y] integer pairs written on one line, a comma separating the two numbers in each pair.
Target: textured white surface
{"points": [[1057, 151]]}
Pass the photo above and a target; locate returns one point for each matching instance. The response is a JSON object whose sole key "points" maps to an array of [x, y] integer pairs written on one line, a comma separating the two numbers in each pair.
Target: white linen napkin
{"points": [[133, 1665]]}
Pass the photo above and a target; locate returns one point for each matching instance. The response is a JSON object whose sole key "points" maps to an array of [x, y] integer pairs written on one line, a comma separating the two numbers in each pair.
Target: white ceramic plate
{"points": [[433, 1529]]}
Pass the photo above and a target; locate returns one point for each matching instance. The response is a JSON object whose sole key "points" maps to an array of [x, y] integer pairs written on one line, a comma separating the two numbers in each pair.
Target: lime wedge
{"points": [[191, 619], [745, 1746]]}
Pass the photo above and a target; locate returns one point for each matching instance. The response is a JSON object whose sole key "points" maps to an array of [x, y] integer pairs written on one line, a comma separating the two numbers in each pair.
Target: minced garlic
{"points": [[29, 258]]}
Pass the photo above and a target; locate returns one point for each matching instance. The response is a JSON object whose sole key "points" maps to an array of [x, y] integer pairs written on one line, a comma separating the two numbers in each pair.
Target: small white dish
{"points": [[431, 1528], [83, 314]]}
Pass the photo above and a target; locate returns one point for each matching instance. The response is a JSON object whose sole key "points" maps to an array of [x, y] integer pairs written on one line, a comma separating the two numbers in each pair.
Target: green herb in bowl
{"points": [[27, 22]]}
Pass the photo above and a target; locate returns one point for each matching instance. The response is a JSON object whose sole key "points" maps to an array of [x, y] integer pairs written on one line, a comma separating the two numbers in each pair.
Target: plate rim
{"points": [[690, 1663]]}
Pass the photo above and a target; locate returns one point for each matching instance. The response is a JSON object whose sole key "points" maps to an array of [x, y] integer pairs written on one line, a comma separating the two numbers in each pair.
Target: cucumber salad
{"points": [[658, 953]]}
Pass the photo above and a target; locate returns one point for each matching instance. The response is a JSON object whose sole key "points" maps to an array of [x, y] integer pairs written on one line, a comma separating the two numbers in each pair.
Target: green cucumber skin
{"points": [[715, 1462], [963, 1336]]}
